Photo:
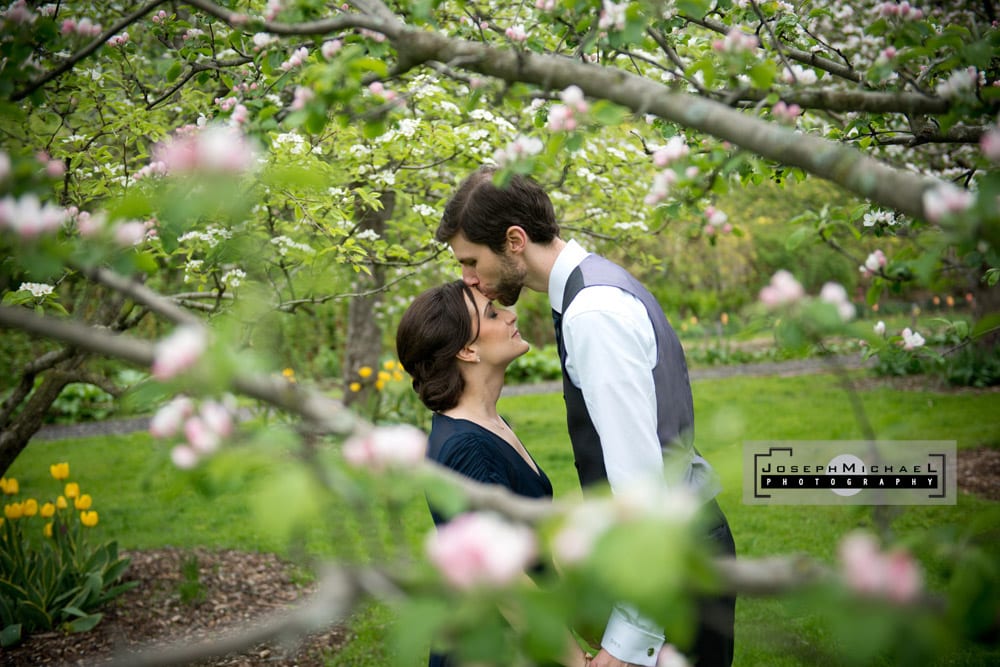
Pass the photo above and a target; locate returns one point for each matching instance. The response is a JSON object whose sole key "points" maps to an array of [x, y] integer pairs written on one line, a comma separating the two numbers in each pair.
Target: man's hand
{"points": [[605, 659]]}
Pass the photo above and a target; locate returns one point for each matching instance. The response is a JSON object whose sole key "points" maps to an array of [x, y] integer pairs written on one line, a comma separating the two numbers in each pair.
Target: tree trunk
{"points": [[364, 336], [19, 430]]}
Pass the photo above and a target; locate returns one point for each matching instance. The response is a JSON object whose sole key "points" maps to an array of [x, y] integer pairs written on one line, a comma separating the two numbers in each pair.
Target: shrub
{"points": [[50, 575]]}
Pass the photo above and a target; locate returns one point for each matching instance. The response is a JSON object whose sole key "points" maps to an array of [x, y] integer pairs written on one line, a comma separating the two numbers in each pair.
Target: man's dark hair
{"points": [[434, 329], [484, 212]]}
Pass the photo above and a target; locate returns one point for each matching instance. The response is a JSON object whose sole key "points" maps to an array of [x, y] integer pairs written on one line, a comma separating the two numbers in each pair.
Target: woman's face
{"points": [[499, 341]]}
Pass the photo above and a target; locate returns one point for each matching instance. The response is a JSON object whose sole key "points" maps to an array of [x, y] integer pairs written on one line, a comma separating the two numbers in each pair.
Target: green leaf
{"points": [[84, 624], [608, 113], [174, 71], [10, 635], [762, 74]]}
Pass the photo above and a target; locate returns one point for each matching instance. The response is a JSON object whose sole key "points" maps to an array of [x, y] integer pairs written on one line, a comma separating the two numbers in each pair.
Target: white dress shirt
{"points": [[610, 355]]}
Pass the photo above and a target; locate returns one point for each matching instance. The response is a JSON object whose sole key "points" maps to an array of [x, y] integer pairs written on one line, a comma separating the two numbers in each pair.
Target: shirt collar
{"points": [[569, 258]]}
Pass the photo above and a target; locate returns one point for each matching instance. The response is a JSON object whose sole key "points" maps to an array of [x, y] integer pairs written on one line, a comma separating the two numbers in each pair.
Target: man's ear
{"points": [[517, 239]]}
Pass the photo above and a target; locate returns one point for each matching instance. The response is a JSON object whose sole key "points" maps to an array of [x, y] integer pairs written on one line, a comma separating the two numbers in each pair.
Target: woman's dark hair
{"points": [[484, 212], [434, 329]]}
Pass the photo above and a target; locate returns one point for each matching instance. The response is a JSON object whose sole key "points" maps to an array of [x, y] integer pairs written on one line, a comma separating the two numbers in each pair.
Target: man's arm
{"points": [[611, 352]]}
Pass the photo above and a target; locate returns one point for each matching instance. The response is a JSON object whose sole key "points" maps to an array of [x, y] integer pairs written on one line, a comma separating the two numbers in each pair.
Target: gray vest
{"points": [[675, 407]]}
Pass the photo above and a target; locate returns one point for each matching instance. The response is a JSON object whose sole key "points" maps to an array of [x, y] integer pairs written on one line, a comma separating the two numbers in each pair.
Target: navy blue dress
{"points": [[480, 454]]}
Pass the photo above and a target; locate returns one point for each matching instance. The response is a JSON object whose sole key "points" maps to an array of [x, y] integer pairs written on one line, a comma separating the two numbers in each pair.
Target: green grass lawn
{"points": [[144, 502]]}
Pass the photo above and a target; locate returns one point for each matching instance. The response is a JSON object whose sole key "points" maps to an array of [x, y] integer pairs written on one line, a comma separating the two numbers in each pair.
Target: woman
{"points": [[456, 344]]}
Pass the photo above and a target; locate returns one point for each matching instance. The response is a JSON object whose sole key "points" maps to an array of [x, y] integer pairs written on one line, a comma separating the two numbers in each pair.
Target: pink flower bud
{"points": [[179, 351], [481, 550]]}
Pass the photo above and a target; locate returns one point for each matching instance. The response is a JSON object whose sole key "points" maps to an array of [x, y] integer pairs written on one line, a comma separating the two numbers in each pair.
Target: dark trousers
{"points": [[714, 640]]}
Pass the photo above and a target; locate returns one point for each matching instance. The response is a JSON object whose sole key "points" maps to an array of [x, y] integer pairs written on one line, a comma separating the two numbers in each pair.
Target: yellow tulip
{"points": [[89, 519], [389, 365], [30, 507], [13, 510], [61, 502], [384, 377], [379, 385], [83, 502], [48, 529], [48, 510], [365, 372], [397, 376], [72, 490], [60, 471], [355, 387], [11, 487]]}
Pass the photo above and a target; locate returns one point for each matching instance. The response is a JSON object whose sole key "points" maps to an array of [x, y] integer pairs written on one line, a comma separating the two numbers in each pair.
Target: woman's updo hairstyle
{"points": [[433, 330]]}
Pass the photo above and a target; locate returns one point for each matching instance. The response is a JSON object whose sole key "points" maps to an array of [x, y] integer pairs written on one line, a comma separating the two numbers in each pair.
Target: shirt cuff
{"points": [[632, 638]]}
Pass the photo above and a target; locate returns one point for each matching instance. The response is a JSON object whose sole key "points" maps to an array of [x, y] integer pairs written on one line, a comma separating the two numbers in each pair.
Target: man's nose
{"points": [[469, 276]]}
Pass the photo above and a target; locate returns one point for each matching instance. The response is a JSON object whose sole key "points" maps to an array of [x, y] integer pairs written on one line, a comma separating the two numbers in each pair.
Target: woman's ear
{"points": [[468, 353], [517, 239]]}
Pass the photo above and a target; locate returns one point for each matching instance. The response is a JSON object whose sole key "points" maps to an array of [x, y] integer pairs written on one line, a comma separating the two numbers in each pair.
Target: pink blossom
{"points": [[387, 447], [302, 97], [990, 144], [873, 263], [911, 339], [867, 570], [516, 33], [522, 147], [573, 98], [203, 440], [945, 200], [903, 577], [179, 351], [55, 168], [68, 27], [28, 217], [786, 113], [184, 457], [240, 115], [561, 118], [330, 48], [480, 549], [216, 418], [118, 40], [715, 217], [19, 12], [835, 294], [215, 148], [661, 187], [581, 529], [736, 41], [783, 289], [612, 16], [545, 5], [168, 419], [88, 28], [297, 58], [130, 233], [675, 149], [89, 225]]}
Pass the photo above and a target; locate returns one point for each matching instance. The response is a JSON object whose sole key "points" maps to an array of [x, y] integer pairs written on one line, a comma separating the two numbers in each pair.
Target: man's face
{"points": [[497, 277]]}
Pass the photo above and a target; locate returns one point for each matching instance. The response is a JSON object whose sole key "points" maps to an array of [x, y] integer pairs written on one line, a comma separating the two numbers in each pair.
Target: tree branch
{"points": [[87, 50], [842, 165], [805, 57], [388, 27], [141, 294], [854, 100]]}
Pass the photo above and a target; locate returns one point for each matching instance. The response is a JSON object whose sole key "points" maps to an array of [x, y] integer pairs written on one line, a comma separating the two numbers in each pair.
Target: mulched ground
{"points": [[237, 587]]}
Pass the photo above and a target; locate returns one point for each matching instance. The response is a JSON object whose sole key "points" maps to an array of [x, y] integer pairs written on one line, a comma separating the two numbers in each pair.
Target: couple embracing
{"points": [[625, 381]]}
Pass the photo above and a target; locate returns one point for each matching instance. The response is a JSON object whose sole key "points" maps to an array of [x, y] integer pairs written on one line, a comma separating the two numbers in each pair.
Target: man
{"points": [[625, 381]]}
